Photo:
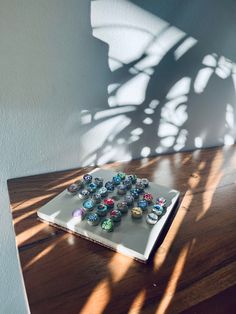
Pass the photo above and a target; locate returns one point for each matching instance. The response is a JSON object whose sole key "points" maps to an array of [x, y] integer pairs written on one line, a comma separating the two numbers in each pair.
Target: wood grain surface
{"points": [[193, 270]]}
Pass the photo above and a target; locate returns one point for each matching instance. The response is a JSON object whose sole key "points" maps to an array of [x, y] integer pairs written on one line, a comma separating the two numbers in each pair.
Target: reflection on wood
{"points": [[191, 270]]}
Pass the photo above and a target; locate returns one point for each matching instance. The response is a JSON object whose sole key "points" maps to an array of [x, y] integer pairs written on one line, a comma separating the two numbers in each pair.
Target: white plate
{"points": [[132, 237]]}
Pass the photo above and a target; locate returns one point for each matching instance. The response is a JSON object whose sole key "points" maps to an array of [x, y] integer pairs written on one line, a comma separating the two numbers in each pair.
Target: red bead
{"points": [[148, 197], [109, 202]]}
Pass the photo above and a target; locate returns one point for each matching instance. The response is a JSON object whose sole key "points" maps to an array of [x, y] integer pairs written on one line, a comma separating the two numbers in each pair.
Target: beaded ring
{"points": [[92, 187], [107, 225], [89, 204], [145, 182], [102, 210], [87, 178], [116, 180], [148, 197], [140, 186], [98, 181], [122, 207], [143, 204], [84, 194], [73, 188], [115, 215], [158, 209], [133, 178], [97, 198], [134, 193], [128, 183], [109, 202], [103, 191], [93, 219], [122, 175], [109, 186], [129, 199], [121, 189], [136, 212], [152, 218], [78, 213], [79, 183], [161, 201]]}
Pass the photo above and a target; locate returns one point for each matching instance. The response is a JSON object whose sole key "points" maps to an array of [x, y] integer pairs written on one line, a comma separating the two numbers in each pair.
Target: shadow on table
{"points": [[94, 279]]}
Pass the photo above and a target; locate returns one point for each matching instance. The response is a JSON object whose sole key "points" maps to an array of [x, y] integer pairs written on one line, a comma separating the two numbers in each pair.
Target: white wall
{"points": [[69, 99], [172, 83], [49, 72]]}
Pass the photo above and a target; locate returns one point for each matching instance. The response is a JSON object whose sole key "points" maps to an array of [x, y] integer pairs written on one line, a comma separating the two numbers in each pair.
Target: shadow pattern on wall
{"points": [[168, 91]]}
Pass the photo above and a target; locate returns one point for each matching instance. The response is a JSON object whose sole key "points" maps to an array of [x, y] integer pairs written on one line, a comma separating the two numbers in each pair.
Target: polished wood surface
{"points": [[192, 270]]}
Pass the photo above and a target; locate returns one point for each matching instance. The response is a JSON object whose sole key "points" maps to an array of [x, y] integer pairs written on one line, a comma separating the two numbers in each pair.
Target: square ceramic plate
{"points": [[132, 237]]}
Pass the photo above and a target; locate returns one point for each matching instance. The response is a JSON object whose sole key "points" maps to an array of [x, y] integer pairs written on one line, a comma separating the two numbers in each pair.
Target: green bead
{"points": [[122, 175], [107, 225]]}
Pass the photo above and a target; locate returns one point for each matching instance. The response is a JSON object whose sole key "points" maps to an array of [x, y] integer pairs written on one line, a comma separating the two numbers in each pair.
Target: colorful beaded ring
{"points": [[97, 198], [73, 188], [133, 178], [80, 184], [93, 219], [140, 186], [116, 180], [88, 204], [103, 191], [115, 215], [109, 186], [143, 204], [134, 193], [128, 183], [109, 202], [87, 178], [136, 212], [161, 201], [107, 225], [158, 209], [98, 181], [152, 218], [92, 187], [78, 214], [148, 197], [122, 207], [83, 194], [122, 175], [145, 182], [129, 199], [121, 189], [102, 210]]}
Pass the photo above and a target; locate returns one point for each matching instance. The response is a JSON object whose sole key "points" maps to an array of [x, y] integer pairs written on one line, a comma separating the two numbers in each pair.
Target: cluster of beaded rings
{"points": [[158, 210], [93, 192]]}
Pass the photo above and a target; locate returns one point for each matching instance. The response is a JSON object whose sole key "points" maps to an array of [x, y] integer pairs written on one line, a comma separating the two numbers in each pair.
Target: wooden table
{"points": [[193, 270]]}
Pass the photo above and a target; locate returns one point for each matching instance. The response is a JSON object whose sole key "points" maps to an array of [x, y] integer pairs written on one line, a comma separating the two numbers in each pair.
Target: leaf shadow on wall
{"points": [[160, 101]]}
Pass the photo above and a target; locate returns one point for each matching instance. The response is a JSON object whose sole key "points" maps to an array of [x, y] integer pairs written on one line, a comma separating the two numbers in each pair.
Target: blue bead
{"points": [[158, 209], [134, 193], [121, 189], [127, 183], [116, 180], [88, 204], [103, 191], [93, 219], [110, 186], [143, 204], [87, 178], [92, 187]]}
